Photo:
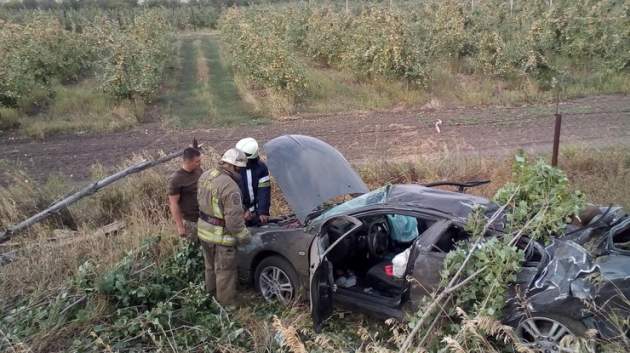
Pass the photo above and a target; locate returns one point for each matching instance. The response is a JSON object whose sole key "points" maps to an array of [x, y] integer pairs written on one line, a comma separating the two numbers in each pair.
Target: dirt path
{"points": [[361, 136]]}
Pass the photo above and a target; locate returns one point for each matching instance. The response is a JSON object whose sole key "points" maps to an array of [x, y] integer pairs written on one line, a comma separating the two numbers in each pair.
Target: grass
{"points": [[45, 270], [82, 108], [332, 90], [203, 92], [9, 119], [182, 103], [230, 108], [200, 92]]}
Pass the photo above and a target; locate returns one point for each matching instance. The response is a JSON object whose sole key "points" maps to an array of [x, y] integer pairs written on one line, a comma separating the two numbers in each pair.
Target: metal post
{"points": [[556, 140]]}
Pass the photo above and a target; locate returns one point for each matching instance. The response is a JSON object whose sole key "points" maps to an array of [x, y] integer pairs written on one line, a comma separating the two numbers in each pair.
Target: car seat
{"points": [[383, 280]]}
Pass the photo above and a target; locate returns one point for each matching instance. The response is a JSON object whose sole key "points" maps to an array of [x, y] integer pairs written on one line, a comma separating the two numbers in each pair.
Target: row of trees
{"points": [[412, 40], [128, 60]]}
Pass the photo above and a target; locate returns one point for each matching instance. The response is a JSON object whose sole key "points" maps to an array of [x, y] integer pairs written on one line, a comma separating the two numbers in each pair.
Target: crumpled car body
{"points": [[341, 253], [587, 276]]}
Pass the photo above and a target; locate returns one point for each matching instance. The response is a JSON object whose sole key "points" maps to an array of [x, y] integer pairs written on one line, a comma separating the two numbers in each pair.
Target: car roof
{"points": [[419, 197]]}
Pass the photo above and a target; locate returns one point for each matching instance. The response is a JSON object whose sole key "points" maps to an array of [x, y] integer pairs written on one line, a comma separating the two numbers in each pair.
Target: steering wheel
{"points": [[378, 238]]}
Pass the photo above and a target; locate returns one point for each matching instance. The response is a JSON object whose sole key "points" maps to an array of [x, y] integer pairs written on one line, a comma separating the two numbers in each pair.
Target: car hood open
{"points": [[310, 172]]}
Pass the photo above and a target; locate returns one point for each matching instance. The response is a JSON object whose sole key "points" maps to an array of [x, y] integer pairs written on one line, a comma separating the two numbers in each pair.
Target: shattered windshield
{"points": [[375, 197]]}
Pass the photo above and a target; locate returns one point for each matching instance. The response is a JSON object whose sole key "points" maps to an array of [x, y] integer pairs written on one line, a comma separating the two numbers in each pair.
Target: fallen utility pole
{"points": [[88, 190]]}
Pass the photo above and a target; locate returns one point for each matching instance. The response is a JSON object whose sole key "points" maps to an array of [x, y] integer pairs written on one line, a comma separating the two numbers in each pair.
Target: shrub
{"points": [[9, 118]]}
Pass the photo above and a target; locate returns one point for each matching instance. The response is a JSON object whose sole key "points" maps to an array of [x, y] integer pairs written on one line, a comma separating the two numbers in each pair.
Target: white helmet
{"points": [[249, 146], [234, 157]]}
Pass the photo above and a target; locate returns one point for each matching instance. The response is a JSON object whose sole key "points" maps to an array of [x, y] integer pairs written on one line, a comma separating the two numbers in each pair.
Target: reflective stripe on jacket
{"points": [[219, 196]]}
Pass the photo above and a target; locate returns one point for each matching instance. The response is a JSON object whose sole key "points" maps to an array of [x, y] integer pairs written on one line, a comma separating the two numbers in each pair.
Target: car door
{"points": [[426, 260], [322, 284]]}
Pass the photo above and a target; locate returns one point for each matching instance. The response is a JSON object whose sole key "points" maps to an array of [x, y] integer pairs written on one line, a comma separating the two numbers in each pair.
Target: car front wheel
{"points": [[276, 280]]}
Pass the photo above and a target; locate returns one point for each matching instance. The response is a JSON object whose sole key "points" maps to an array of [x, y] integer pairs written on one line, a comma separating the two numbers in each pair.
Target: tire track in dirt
{"points": [[362, 136]]}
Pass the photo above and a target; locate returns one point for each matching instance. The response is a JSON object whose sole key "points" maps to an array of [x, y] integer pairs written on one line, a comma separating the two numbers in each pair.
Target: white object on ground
{"points": [[437, 125]]}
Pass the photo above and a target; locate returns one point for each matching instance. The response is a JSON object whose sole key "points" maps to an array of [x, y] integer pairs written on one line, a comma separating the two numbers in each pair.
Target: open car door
{"points": [[426, 261], [322, 284]]}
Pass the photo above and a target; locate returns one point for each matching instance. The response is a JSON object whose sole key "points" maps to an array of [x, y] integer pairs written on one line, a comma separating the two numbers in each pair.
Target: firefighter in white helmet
{"points": [[221, 227], [255, 184]]}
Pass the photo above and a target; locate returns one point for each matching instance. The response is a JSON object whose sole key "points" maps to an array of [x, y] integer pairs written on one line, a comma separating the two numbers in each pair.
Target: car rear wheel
{"points": [[545, 334], [276, 280]]}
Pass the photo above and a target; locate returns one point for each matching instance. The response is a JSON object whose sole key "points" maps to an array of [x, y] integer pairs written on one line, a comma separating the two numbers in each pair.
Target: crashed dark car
{"points": [[346, 253]]}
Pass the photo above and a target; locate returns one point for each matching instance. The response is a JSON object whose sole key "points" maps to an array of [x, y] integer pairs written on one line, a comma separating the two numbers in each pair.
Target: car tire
{"points": [[276, 280], [543, 332]]}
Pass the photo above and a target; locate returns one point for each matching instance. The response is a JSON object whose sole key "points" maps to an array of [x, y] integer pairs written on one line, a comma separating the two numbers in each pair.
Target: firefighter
{"points": [[221, 226], [255, 184]]}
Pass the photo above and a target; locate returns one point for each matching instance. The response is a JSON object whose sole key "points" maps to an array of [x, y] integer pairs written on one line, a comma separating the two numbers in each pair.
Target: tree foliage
{"points": [[411, 40], [129, 57], [543, 200], [257, 50]]}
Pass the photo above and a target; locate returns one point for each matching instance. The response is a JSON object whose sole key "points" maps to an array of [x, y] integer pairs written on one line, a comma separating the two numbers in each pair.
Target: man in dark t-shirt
{"points": [[182, 194]]}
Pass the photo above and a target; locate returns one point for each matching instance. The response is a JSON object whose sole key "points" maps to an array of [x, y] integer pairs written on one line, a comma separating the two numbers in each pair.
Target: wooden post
{"points": [[556, 131], [556, 140]]}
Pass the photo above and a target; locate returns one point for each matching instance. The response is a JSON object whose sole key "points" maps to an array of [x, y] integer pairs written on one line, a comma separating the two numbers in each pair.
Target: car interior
{"points": [[362, 262], [621, 239]]}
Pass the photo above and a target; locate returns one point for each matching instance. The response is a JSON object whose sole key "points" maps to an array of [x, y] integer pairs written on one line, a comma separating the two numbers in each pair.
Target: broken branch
{"points": [[453, 284]]}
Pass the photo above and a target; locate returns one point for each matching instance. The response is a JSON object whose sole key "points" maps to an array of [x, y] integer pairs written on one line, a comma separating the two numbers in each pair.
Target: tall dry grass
{"points": [[41, 264], [602, 174]]}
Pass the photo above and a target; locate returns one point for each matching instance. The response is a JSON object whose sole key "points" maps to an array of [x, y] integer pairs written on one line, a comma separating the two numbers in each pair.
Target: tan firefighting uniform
{"points": [[220, 228]]}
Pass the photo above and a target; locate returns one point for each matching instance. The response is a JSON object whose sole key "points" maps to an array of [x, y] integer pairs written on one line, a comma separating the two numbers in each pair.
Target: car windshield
{"points": [[375, 197]]}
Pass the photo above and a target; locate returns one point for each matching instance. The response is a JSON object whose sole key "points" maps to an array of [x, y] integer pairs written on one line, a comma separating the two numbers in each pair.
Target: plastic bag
{"points": [[400, 263]]}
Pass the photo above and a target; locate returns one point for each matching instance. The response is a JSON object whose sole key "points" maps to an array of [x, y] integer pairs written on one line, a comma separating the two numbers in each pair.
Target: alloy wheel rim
{"points": [[544, 335], [275, 284]]}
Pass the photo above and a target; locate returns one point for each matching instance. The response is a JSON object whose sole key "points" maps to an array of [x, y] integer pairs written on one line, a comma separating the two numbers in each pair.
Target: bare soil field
{"points": [[397, 134]]}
